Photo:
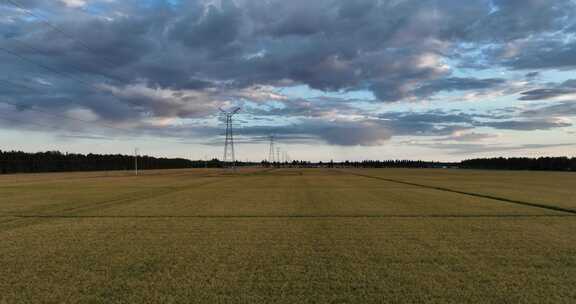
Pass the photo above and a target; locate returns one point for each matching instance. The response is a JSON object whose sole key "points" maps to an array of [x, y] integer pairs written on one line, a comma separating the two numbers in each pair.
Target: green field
{"points": [[289, 236]]}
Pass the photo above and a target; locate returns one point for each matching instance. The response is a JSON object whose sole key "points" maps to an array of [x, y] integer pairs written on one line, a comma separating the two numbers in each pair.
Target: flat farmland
{"points": [[289, 236], [546, 188]]}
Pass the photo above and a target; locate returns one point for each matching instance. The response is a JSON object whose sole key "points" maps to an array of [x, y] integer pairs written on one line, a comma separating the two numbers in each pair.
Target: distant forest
{"points": [[514, 163], [54, 161], [522, 163]]}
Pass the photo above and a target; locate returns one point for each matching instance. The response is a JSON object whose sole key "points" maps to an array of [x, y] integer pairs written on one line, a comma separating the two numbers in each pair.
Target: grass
{"points": [[548, 188], [285, 236]]}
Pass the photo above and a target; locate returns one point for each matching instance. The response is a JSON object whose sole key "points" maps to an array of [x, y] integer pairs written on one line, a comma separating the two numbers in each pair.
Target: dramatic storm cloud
{"points": [[364, 73]]}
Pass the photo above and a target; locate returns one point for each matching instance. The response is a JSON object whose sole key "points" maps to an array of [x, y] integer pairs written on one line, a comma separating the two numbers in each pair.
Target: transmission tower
{"points": [[229, 156], [278, 155], [271, 152]]}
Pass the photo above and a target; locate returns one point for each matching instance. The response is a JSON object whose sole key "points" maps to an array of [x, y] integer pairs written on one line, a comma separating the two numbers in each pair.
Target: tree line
{"points": [[361, 164], [522, 163], [501, 163], [54, 161]]}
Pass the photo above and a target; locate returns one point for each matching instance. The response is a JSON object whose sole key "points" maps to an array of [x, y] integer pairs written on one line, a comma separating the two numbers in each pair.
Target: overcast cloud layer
{"points": [[164, 68]]}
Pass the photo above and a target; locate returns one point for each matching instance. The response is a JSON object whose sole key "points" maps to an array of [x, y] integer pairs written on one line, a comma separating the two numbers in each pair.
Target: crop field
{"points": [[289, 236]]}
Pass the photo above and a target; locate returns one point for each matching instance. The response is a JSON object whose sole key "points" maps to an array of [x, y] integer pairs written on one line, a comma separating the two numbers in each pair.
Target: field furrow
{"points": [[277, 236]]}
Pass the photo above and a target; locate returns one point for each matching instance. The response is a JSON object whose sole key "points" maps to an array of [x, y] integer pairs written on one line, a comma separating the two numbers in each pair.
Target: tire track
{"points": [[112, 175], [295, 216], [24, 220], [486, 196]]}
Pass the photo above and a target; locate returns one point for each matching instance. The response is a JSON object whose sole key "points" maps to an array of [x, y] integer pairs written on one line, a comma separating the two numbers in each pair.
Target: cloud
{"points": [[158, 102], [132, 63], [548, 53], [563, 91], [466, 149], [313, 131], [74, 3], [470, 137], [516, 19], [529, 125], [352, 133], [563, 109], [396, 49], [459, 84]]}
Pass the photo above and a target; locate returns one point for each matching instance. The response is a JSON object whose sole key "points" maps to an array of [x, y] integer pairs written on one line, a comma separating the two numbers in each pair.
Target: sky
{"points": [[335, 80]]}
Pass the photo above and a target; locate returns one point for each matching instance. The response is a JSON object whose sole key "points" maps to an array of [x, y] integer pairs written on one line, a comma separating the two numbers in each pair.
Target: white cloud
{"points": [[82, 114], [74, 3]]}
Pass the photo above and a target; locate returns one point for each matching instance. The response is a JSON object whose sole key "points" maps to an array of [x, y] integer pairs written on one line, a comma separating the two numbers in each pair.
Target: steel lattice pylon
{"points": [[271, 158], [229, 153]]}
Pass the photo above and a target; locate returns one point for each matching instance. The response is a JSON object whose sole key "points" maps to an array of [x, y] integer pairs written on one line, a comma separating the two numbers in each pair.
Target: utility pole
{"points": [[136, 161]]}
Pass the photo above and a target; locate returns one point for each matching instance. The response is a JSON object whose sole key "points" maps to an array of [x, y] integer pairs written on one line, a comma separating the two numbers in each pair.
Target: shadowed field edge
{"points": [[288, 216], [11, 218], [480, 195]]}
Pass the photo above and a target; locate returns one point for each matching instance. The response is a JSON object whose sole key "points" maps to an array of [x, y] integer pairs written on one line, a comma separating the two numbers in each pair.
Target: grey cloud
{"points": [[311, 108], [453, 126], [528, 125], [308, 43], [566, 88], [470, 148], [459, 84], [544, 53], [469, 137], [514, 19], [432, 123], [541, 94], [342, 133], [209, 27], [430, 117], [367, 132], [555, 110], [189, 58], [313, 131], [437, 123], [329, 45], [352, 134]]}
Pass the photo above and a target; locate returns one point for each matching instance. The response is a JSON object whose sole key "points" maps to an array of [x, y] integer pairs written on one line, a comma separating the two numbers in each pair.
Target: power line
{"points": [[63, 74], [44, 125], [134, 133], [40, 51], [81, 43], [95, 136], [46, 67], [57, 115], [56, 28], [30, 108], [29, 87], [16, 120], [88, 85]]}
